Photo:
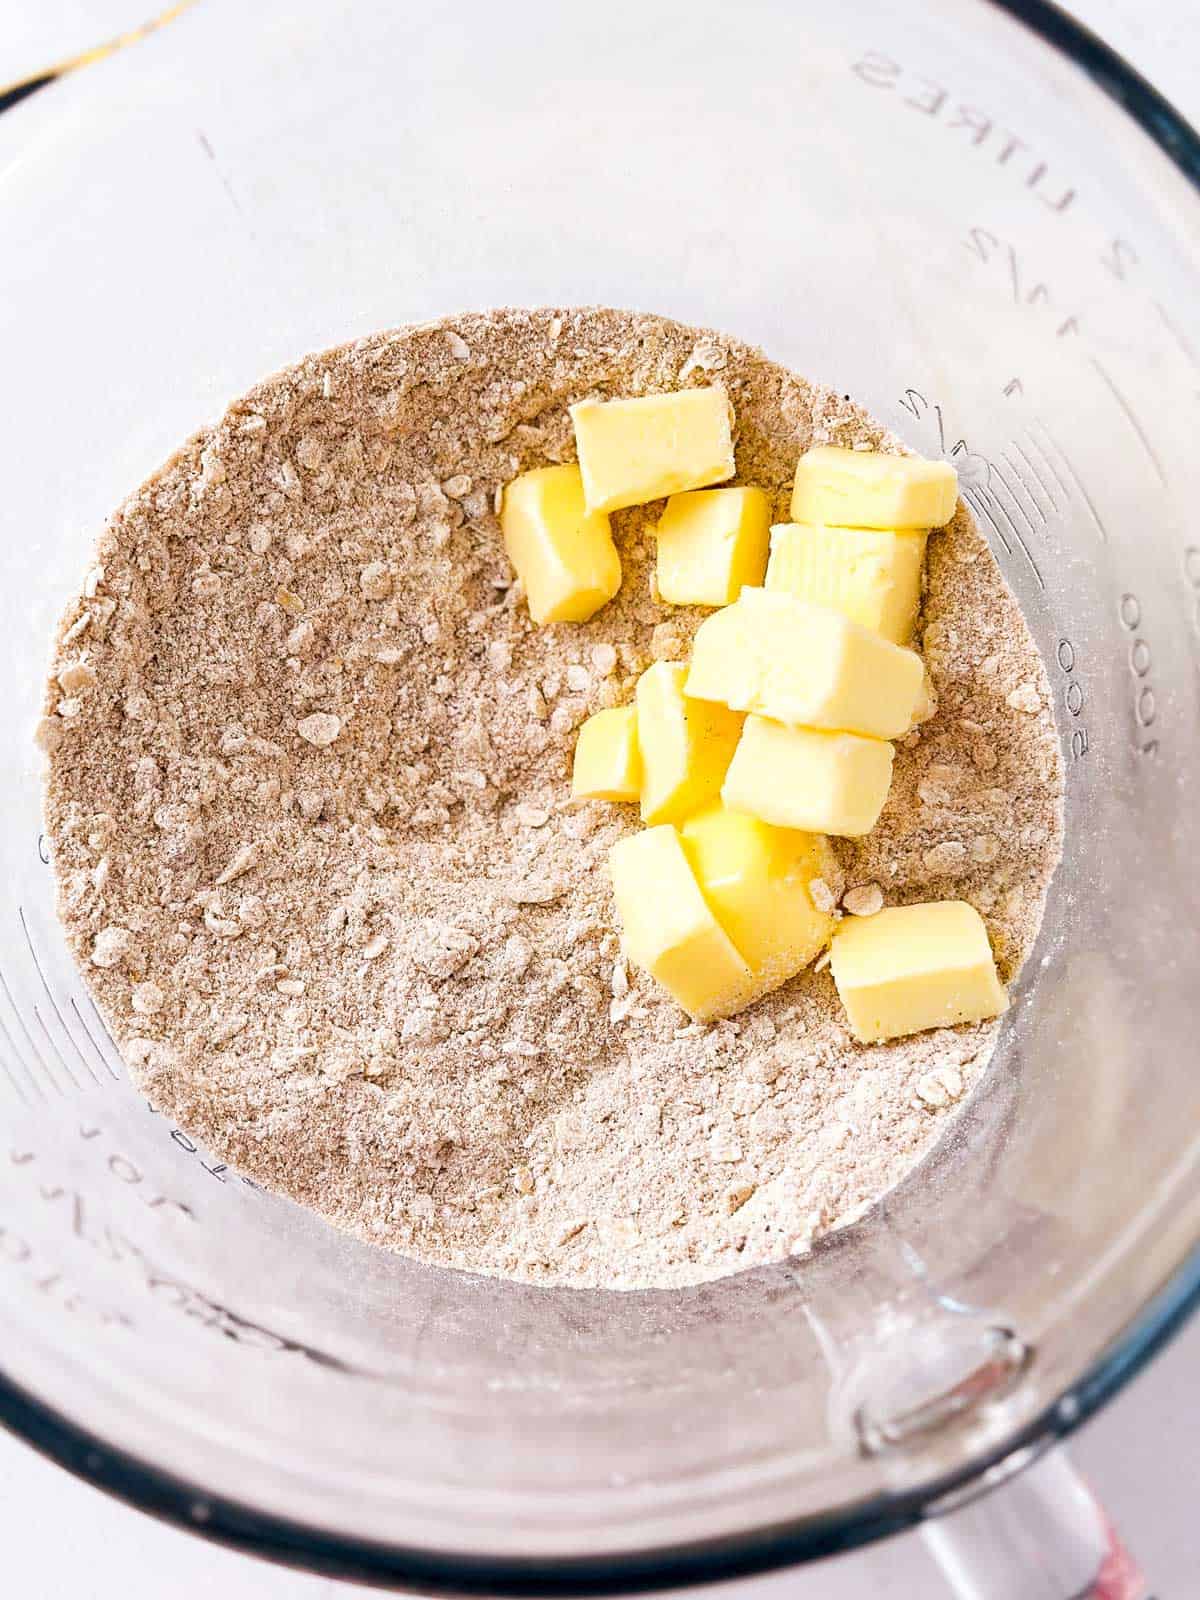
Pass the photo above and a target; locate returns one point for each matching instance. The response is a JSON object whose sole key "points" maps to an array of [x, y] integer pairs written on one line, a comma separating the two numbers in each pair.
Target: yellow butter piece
{"points": [[756, 879], [669, 930], [915, 967], [608, 765], [711, 542], [686, 745], [872, 576], [631, 451], [866, 489], [808, 778], [777, 655], [563, 553]]}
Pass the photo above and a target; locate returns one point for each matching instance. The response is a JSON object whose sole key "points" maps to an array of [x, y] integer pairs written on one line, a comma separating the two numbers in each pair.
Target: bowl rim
{"points": [[255, 1532], [296, 1544]]}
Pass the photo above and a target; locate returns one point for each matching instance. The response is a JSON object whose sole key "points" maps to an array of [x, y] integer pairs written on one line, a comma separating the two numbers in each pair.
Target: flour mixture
{"points": [[309, 807]]}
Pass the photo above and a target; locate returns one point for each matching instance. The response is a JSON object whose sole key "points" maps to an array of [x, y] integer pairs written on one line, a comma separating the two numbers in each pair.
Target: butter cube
{"points": [[607, 763], [631, 451], [807, 778], [872, 576], [686, 745], [865, 489], [710, 543], [563, 553], [802, 664], [669, 930], [756, 879], [915, 967]]}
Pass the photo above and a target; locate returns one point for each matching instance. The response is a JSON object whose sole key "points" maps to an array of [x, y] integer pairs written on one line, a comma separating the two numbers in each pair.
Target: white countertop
{"points": [[1142, 1454]]}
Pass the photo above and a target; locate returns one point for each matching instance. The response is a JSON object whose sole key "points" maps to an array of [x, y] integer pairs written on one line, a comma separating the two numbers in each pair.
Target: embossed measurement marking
{"points": [[1131, 417], [33, 1054], [1177, 333], [1141, 666], [1014, 517], [989, 248], [17, 1252], [16, 1083], [1068, 661], [51, 1043], [980, 129], [1077, 481], [1035, 474], [1123, 265], [218, 1170], [105, 1062], [981, 481], [979, 506], [1015, 478], [87, 1066]]}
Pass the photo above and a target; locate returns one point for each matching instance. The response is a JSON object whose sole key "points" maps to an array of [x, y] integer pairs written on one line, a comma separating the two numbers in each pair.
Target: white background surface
{"points": [[59, 1537]]}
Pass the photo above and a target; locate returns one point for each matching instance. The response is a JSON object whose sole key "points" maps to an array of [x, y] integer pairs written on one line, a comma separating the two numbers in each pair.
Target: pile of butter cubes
{"points": [[777, 733]]}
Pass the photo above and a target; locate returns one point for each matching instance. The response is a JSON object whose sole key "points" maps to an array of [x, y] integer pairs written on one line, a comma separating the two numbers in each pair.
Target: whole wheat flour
{"points": [[308, 800]]}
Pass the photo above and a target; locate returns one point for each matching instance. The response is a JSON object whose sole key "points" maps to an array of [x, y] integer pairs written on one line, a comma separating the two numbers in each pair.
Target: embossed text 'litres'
{"points": [[927, 97]]}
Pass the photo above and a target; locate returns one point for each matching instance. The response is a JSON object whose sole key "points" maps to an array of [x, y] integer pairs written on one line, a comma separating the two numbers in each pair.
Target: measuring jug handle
{"points": [[1042, 1535]]}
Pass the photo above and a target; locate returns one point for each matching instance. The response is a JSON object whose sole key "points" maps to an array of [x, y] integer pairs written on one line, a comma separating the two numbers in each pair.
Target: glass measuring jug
{"points": [[946, 218]]}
